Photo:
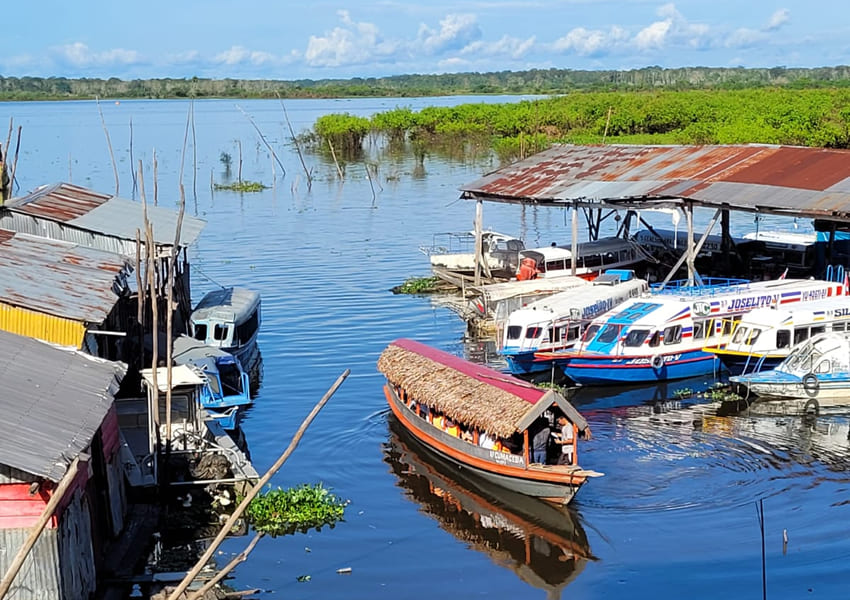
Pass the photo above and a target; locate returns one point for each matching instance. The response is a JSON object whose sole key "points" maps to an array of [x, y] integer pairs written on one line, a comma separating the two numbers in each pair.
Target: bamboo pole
{"points": [[55, 498], [155, 180], [169, 338], [108, 143], [132, 160], [336, 162], [263, 139], [297, 146], [574, 240], [15, 161], [228, 525], [240, 558], [479, 247]]}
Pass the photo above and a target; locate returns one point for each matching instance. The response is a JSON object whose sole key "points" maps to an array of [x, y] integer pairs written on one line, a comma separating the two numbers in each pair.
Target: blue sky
{"points": [[264, 39]]}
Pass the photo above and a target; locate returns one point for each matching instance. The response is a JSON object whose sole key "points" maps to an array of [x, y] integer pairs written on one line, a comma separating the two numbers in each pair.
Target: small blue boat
{"points": [[227, 388]]}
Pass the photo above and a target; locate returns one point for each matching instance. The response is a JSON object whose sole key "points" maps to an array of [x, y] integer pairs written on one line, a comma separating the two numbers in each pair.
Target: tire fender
{"points": [[811, 407], [811, 385], [657, 361]]}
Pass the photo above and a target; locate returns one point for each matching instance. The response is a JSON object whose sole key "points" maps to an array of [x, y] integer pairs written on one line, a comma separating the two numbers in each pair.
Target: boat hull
{"points": [[551, 483], [589, 369]]}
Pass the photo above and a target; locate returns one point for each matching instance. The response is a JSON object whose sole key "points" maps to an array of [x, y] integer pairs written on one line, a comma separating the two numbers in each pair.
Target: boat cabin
{"points": [[593, 258], [228, 318]]}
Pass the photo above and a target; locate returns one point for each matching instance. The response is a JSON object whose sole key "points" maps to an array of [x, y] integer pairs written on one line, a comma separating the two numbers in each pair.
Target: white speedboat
{"points": [[229, 319]]}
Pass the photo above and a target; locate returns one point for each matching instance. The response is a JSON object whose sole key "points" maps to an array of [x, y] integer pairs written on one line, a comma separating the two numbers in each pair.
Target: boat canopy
{"points": [[467, 392]]}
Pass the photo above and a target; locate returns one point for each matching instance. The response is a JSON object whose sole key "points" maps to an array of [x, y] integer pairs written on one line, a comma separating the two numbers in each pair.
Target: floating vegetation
{"points": [[241, 186], [683, 393], [420, 285], [297, 509]]}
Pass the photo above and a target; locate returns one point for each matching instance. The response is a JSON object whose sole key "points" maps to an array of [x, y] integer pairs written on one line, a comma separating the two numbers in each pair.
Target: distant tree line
{"points": [[534, 81]]}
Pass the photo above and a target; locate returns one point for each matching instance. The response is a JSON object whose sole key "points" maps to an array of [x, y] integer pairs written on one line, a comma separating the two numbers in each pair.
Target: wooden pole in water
{"points": [[690, 214], [108, 143], [574, 241], [240, 558], [479, 246], [226, 527], [55, 498]]}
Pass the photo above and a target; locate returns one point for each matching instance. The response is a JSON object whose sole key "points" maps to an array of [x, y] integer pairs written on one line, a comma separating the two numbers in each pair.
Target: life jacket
{"points": [[453, 430]]}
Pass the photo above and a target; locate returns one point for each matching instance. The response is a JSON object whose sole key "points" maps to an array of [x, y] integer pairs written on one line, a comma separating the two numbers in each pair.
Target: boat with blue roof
{"points": [[663, 335]]}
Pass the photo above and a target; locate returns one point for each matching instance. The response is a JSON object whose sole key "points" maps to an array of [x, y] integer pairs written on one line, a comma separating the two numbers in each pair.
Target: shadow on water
{"points": [[662, 395], [544, 545]]}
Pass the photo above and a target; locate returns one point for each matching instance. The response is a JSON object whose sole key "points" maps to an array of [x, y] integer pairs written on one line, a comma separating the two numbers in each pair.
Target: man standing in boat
{"points": [[566, 440]]}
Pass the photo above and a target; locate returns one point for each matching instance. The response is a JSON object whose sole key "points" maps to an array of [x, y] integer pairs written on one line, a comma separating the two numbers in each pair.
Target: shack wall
{"points": [[28, 323]]}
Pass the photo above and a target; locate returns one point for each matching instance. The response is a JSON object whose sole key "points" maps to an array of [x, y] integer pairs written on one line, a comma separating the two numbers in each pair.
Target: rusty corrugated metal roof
{"points": [[805, 182], [59, 278], [104, 214], [53, 401]]}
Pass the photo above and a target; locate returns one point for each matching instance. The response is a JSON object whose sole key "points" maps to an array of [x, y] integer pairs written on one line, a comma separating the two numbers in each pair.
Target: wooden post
{"points": [[225, 529], [240, 558], [689, 212], [55, 498], [574, 241], [479, 246]]}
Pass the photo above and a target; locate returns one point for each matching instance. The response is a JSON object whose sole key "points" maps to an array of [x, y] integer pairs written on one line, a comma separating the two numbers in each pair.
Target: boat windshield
{"points": [[514, 331], [609, 334], [635, 337]]}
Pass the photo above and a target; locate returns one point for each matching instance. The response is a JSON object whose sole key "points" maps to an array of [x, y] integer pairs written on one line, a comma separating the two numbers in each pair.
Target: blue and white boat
{"points": [[227, 385], [765, 336], [816, 373], [229, 319], [662, 335], [556, 322]]}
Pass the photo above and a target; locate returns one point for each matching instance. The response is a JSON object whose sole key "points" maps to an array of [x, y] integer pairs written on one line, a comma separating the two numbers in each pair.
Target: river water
{"points": [[676, 514]]}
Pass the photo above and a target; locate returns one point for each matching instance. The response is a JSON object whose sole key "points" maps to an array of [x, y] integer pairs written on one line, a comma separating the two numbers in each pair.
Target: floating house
{"points": [[59, 461]]}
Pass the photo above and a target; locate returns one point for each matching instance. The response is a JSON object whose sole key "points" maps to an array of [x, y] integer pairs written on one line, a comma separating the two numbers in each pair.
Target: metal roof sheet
{"points": [[59, 278], [105, 214], [805, 182], [54, 400]]}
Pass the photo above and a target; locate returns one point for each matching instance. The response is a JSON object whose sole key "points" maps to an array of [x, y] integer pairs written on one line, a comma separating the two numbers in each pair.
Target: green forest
{"points": [[535, 81]]}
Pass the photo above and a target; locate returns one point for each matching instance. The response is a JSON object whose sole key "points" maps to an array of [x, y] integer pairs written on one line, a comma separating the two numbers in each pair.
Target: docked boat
{"points": [[816, 373], [229, 319], [227, 388], [484, 421], [556, 322], [543, 544], [454, 253], [592, 259], [663, 335], [765, 336]]}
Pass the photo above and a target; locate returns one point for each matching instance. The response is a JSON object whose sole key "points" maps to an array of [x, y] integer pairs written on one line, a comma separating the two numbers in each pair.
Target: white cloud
{"points": [[455, 33], [590, 42], [654, 36], [778, 19], [508, 46], [80, 55], [744, 38], [237, 55], [355, 43]]}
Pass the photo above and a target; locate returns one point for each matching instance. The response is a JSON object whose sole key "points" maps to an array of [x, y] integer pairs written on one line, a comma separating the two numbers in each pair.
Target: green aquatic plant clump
{"points": [[417, 285], [297, 509], [241, 186]]}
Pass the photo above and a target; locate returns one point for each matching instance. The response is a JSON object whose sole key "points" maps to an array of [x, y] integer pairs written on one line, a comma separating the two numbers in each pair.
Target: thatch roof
{"points": [[471, 394]]}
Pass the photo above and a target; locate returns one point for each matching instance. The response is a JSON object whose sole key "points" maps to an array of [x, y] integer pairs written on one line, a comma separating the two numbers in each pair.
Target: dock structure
{"points": [[62, 492], [599, 180]]}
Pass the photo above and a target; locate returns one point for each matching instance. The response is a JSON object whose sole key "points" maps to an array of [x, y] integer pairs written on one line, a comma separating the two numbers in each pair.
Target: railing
{"points": [[704, 287]]}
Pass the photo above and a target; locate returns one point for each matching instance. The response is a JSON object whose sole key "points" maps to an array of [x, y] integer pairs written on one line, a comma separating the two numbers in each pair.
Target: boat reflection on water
{"points": [[661, 396], [544, 544]]}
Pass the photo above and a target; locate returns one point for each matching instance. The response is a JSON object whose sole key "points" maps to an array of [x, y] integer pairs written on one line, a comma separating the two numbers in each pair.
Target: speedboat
{"points": [[455, 253], [765, 336], [229, 319], [556, 322], [663, 335], [816, 373]]}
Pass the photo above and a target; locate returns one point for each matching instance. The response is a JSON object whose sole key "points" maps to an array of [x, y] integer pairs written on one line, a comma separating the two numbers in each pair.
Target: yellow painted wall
{"points": [[40, 326]]}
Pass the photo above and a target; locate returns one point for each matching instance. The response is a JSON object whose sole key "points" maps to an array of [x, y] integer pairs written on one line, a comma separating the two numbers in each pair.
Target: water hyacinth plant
{"points": [[297, 509]]}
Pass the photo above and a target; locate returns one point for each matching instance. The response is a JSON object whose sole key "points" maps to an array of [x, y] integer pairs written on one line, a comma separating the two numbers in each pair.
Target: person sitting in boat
{"points": [[438, 420], [485, 440], [451, 427], [527, 270], [566, 440]]}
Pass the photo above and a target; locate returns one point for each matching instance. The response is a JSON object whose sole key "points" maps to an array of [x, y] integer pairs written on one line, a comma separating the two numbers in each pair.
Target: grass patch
{"points": [[419, 285], [240, 186]]}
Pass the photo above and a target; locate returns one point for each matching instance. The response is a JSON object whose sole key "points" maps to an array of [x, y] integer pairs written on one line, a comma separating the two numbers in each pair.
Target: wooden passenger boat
{"points": [[426, 385]]}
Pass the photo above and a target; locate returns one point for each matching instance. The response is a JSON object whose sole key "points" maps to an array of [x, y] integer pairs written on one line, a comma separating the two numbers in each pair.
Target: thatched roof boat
{"points": [[426, 385]]}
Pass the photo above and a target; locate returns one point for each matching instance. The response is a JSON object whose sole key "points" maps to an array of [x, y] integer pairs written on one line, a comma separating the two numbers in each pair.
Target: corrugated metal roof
{"points": [[806, 182], [53, 402], [58, 278], [105, 214]]}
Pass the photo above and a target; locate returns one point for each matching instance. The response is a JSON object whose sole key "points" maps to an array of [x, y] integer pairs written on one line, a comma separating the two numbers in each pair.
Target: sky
{"points": [[282, 40]]}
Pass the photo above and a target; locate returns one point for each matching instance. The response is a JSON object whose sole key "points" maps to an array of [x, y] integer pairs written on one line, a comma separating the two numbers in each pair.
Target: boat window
{"points": [[514, 331], [738, 338], [594, 260], [245, 331], [673, 335], [213, 383], [590, 332], [801, 334], [823, 367], [783, 338], [532, 333], [555, 333], [231, 379], [635, 337], [609, 334], [573, 333], [729, 325], [200, 331], [754, 335], [220, 332], [554, 265], [655, 339], [817, 330]]}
